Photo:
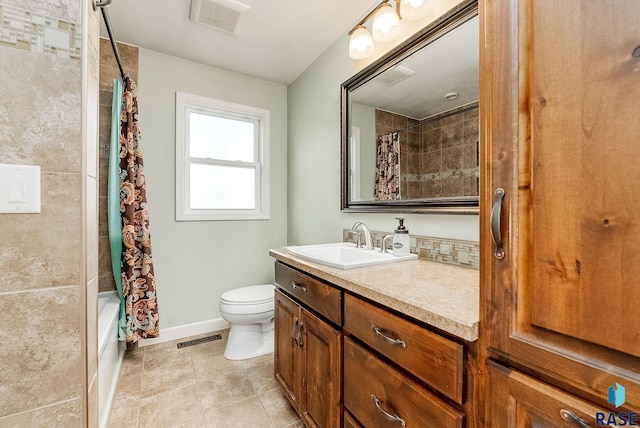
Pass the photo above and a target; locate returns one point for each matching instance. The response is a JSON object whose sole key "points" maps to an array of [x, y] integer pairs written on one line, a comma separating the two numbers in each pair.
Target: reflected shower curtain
{"points": [[387, 183], [138, 280]]}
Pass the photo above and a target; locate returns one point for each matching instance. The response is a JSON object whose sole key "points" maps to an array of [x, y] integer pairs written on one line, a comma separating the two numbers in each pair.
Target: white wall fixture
{"points": [[19, 189], [386, 24]]}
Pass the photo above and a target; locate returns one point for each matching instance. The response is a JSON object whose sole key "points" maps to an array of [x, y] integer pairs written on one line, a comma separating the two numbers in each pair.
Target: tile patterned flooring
{"points": [[196, 387]]}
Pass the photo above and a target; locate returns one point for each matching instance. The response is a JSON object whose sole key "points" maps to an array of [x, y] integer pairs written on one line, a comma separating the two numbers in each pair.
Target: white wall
{"points": [[314, 153], [195, 262]]}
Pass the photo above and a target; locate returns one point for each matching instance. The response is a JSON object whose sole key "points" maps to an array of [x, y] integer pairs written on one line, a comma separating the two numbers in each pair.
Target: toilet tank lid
{"points": [[250, 294]]}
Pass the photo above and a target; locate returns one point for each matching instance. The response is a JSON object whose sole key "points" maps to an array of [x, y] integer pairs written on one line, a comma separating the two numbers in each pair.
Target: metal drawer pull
{"points": [[495, 223], [574, 419], [297, 286], [387, 338], [388, 416]]}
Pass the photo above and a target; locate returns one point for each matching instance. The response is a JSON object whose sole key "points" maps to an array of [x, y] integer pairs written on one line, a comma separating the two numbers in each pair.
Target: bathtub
{"points": [[110, 352]]}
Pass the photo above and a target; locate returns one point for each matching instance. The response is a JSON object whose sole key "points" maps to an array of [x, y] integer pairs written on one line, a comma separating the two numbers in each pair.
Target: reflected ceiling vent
{"points": [[219, 14], [394, 75]]}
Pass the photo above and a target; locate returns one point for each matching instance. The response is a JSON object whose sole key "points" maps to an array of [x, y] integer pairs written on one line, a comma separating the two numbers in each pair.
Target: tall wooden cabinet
{"points": [[560, 128]]}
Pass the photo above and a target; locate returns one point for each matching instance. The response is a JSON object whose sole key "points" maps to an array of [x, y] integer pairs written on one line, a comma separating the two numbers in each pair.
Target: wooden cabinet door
{"points": [[287, 353], [519, 401], [322, 353], [560, 132]]}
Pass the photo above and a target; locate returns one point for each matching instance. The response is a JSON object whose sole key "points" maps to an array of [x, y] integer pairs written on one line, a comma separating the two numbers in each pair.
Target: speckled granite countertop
{"points": [[441, 295]]}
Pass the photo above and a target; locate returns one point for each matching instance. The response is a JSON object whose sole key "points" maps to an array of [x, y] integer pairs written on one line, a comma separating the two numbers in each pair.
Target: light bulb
{"points": [[413, 10], [385, 23], [360, 43]]}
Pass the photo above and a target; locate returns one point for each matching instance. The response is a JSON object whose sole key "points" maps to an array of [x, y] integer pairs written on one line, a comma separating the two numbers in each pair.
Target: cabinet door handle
{"points": [[293, 332], [387, 338], [388, 416], [299, 336], [297, 286], [574, 419], [496, 211]]}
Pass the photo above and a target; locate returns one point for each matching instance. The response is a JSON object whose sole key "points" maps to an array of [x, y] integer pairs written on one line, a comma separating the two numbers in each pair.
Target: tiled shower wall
{"points": [[438, 155], [48, 261], [109, 71]]}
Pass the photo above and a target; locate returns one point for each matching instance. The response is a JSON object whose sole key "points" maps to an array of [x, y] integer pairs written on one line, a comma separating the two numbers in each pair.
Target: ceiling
{"points": [[273, 40]]}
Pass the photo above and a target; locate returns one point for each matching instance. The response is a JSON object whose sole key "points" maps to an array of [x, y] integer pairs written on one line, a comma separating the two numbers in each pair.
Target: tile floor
{"points": [[195, 387]]}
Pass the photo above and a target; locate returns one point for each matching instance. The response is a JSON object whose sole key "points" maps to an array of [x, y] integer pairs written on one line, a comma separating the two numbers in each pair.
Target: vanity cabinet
{"points": [[308, 346], [379, 385], [560, 232]]}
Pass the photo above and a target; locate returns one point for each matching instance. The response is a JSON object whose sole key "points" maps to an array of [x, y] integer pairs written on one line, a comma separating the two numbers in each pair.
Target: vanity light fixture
{"points": [[385, 25]]}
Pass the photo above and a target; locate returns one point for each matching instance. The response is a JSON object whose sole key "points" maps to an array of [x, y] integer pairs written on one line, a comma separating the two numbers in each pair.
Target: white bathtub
{"points": [[110, 352]]}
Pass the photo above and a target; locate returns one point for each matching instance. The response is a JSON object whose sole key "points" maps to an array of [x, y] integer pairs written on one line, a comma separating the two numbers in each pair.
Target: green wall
{"points": [[314, 153], [196, 261]]}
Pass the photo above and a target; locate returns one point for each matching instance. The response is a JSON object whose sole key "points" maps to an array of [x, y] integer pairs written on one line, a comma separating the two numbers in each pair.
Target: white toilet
{"points": [[249, 310]]}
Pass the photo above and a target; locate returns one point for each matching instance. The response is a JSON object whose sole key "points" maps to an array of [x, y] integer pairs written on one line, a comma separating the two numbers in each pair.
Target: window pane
{"points": [[220, 138], [222, 187]]}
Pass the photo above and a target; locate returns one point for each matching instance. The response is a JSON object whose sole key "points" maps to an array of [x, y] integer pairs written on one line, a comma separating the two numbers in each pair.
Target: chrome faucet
{"points": [[384, 248], [367, 236]]}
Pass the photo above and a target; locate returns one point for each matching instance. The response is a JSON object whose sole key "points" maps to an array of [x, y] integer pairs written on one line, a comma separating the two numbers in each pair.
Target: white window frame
{"points": [[187, 104]]}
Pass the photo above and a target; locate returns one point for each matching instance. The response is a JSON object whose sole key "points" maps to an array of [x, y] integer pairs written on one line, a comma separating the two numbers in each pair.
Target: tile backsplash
{"points": [[441, 250], [36, 32]]}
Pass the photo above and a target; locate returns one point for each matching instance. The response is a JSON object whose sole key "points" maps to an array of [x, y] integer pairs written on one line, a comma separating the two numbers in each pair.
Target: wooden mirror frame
{"points": [[443, 205]]}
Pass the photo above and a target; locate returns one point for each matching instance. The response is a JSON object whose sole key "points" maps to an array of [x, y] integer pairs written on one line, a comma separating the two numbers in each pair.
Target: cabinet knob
{"points": [[388, 416], [574, 419]]}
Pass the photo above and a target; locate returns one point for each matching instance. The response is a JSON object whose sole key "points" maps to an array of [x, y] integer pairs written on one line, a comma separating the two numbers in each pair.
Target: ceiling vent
{"points": [[219, 14], [394, 75]]}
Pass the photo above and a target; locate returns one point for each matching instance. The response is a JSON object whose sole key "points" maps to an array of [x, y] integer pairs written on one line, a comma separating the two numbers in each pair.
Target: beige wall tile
{"points": [[62, 415], [69, 10], [40, 352], [44, 249], [42, 127]]}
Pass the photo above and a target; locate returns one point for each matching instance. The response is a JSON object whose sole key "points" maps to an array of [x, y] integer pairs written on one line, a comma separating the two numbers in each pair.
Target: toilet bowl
{"points": [[249, 311]]}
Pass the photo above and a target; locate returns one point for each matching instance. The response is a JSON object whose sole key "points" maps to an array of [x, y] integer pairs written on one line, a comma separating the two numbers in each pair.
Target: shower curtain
{"points": [[139, 308], [387, 183]]}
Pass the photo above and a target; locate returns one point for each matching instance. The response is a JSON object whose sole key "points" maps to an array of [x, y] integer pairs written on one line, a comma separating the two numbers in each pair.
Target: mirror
{"points": [[410, 136]]}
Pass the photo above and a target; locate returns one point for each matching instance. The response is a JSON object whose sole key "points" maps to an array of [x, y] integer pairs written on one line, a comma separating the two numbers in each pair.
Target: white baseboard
{"points": [[188, 330]]}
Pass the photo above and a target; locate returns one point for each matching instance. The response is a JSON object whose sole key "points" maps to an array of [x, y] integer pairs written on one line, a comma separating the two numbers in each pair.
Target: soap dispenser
{"points": [[401, 241]]}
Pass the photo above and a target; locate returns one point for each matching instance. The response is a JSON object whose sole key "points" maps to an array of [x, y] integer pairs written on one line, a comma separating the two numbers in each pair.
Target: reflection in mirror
{"points": [[412, 124]]}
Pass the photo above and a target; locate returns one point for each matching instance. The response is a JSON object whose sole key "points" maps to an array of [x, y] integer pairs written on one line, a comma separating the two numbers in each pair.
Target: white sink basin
{"points": [[345, 255]]}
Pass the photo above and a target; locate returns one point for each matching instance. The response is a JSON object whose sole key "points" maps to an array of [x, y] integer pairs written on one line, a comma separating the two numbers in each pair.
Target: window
{"points": [[222, 159]]}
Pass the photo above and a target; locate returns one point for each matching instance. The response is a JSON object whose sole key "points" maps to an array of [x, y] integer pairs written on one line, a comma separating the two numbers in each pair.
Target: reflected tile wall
{"points": [[41, 259], [438, 155]]}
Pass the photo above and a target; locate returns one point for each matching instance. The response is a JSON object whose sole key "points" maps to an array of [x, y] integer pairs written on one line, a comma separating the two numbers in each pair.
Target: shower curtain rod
{"points": [[107, 23]]}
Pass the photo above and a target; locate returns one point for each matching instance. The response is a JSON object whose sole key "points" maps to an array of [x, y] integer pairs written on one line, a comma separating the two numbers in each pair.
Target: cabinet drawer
{"points": [[516, 400], [432, 358], [379, 395], [348, 421], [321, 297]]}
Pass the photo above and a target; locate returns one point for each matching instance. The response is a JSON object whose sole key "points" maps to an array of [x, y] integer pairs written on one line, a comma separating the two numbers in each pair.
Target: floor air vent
{"points": [[199, 341]]}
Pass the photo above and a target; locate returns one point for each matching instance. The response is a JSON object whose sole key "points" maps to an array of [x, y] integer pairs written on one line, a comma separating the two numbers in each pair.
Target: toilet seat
{"points": [[253, 295]]}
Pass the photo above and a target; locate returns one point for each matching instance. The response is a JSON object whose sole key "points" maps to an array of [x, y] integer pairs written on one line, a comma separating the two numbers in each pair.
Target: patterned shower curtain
{"points": [[387, 184], [138, 280]]}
